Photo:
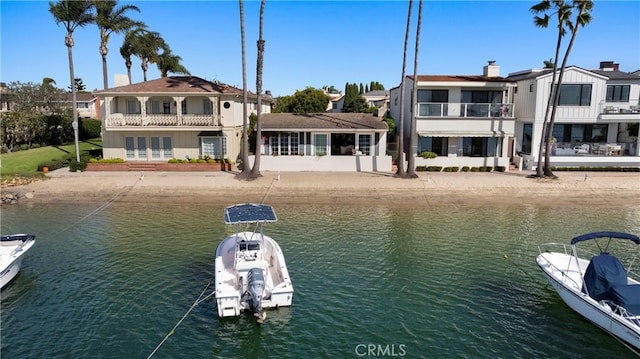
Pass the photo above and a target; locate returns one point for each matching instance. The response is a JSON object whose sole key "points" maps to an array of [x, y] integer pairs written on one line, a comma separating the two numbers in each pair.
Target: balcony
{"points": [[119, 120], [618, 108], [464, 110]]}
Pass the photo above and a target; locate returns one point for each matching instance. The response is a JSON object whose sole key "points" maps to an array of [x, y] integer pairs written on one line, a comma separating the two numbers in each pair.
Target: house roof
{"points": [[322, 121], [617, 75], [177, 84], [80, 96], [459, 78], [611, 75], [376, 93]]}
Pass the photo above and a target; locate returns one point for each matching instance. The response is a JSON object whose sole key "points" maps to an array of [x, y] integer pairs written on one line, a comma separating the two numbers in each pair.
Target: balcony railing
{"points": [[170, 120], [619, 108], [473, 110], [593, 149]]}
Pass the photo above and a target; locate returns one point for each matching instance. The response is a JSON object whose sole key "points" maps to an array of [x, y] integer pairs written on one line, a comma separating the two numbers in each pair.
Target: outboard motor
{"points": [[255, 290]]}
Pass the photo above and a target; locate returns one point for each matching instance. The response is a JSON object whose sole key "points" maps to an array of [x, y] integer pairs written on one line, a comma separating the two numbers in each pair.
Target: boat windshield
{"points": [[249, 246]]}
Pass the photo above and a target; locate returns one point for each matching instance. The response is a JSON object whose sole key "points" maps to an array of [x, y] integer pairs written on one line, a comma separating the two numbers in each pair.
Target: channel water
{"points": [[434, 282]]}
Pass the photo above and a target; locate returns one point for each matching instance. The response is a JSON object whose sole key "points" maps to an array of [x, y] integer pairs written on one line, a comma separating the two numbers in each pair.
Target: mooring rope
{"points": [[199, 300], [269, 189], [103, 206]]}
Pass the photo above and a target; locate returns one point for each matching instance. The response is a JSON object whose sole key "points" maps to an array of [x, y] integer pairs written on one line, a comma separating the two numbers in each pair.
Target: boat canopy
{"points": [[594, 235], [249, 213]]}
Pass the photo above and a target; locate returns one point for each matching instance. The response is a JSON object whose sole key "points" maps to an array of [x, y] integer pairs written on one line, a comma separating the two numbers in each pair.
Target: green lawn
{"points": [[25, 163]]}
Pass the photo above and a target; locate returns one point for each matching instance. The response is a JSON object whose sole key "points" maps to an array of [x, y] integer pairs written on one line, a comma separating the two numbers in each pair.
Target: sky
{"points": [[318, 43]]}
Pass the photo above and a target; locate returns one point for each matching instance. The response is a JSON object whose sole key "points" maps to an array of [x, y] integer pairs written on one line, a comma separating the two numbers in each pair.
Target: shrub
{"points": [[475, 169], [75, 166], [421, 168], [89, 128], [452, 169], [106, 160], [500, 168], [428, 154], [465, 169], [434, 168]]}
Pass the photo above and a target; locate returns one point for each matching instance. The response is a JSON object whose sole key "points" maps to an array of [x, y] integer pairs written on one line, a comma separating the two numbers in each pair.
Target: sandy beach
{"points": [[430, 189]]}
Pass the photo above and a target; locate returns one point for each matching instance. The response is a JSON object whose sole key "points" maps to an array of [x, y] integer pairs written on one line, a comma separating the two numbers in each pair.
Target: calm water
{"points": [[446, 282]]}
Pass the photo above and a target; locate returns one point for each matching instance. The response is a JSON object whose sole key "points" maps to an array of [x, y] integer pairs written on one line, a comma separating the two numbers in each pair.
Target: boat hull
{"points": [[567, 283], [12, 256]]}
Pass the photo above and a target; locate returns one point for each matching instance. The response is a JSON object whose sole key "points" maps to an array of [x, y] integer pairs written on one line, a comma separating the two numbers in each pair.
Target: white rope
{"points": [[269, 189], [195, 304]]}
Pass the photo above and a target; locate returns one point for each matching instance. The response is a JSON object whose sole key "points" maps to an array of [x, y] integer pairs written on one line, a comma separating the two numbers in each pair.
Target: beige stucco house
{"points": [[174, 117]]}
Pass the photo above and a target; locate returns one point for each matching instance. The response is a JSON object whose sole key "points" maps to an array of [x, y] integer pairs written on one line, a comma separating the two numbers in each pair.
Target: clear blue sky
{"points": [[316, 43]]}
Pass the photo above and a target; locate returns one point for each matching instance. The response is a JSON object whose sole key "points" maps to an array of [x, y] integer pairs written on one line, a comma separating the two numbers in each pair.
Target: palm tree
{"points": [[169, 62], [400, 156], [146, 47], [583, 18], [563, 12], [255, 171], [111, 19], [246, 168], [128, 47], [72, 14], [411, 167]]}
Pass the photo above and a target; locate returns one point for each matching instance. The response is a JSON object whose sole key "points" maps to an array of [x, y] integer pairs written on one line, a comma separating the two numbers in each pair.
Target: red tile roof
{"points": [[176, 84]]}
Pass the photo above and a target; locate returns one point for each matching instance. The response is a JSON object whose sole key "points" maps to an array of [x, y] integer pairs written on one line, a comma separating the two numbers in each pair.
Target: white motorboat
{"points": [[598, 286], [250, 270], [13, 248]]}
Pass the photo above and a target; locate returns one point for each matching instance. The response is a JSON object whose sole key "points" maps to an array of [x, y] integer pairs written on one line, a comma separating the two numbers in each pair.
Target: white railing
{"points": [[171, 120], [619, 107], [458, 109]]}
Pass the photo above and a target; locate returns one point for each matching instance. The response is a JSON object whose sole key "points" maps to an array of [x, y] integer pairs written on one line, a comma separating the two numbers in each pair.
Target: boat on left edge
{"points": [[13, 248], [250, 269]]}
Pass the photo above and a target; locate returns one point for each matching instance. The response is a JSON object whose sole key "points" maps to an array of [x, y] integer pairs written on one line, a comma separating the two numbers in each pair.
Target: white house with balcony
{"points": [[466, 120], [174, 117], [595, 120]]}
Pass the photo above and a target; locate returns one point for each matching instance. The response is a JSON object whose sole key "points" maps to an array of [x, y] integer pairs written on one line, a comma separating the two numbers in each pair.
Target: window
{"points": [[166, 108], [142, 147], [167, 148], [437, 145], [155, 147], [618, 93], [364, 144], [216, 147], [481, 97], [184, 106], [155, 107], [480, 146], [135, 147], [578, 132], [206, 107], [527, 131], [530, 87], [82, 105], [575, 95], [438, 96], [132, 107], [320, 144], [284, 143]]}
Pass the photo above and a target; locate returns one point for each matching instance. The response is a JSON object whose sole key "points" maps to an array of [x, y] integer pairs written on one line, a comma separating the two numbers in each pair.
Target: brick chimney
{"points": [[491, 69], [609, 66]]}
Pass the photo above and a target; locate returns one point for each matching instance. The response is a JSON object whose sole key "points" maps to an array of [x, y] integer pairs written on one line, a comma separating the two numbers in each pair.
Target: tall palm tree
{"points": [[400, 156], [112, 19], [146, 47], [411, 167], [563, 12], [246, 168], [169, 62], [583, 18], [128, 47], [255, 171], [72, 14]]}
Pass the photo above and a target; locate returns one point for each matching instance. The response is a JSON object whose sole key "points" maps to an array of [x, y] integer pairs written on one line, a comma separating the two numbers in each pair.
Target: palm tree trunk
{"points": [[145, 66], [74, 98], [400, 156], [546, 133], [556, 101], [255, 171], [105, 77], [246, 168], [411, 167]]}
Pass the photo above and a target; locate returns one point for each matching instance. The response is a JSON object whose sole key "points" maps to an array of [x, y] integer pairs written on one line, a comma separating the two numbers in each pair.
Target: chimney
{"points": [[120, 80], [609, 66], [491, 69]]}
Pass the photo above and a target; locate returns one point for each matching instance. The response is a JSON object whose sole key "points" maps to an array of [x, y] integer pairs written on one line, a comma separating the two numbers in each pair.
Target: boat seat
{"points": [[628, 297]]}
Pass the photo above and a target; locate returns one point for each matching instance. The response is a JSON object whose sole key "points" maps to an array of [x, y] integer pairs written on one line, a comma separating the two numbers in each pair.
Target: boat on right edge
{"points": [[597, 286]]}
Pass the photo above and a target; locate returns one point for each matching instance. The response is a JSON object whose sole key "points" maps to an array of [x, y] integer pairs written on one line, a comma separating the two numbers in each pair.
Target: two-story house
{"points": [[174, 117], [466, 120], [595, 119]]}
